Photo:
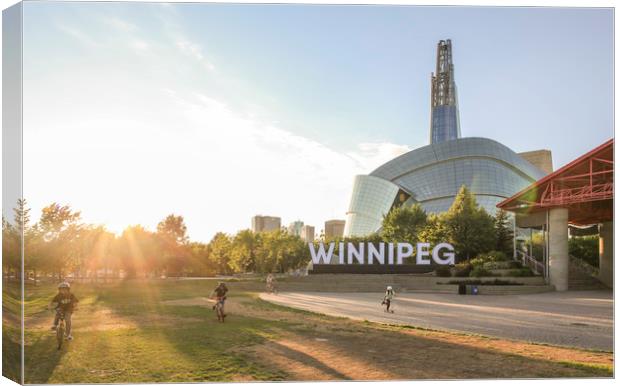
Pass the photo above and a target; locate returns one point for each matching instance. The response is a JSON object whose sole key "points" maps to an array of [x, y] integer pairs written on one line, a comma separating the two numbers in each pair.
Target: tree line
{"points": [[61, 244], [466, 225]]}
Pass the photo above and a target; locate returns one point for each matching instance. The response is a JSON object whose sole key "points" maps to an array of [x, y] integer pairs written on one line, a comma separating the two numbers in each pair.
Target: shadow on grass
{"points": [[190, 345], [41, 356]]}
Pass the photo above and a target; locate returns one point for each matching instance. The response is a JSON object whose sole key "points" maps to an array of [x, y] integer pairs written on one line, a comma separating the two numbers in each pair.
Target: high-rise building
{"points": [[307, 233], [445, 123], [294, 228], [334, 228], [265, 223]]}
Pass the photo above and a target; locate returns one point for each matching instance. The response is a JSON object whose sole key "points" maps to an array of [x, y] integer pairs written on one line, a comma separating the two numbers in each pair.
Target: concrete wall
{"points": [[606, 253], [558, 248]]}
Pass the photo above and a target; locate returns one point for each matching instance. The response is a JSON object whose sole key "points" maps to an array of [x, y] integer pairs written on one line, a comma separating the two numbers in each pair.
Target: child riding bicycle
{"points": [[387, 299], [220, 296], [271, 283], [64, 303]]}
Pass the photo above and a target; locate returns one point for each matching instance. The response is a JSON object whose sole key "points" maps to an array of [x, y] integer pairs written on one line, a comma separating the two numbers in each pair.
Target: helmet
{"points": [[64, 284], [389, 288]]}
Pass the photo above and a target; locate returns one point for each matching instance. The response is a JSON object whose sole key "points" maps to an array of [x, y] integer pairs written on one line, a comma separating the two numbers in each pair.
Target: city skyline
{"points": [[166, 108]]}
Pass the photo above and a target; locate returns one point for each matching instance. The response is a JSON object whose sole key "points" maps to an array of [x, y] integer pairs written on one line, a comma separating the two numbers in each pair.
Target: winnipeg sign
{"points": [[382, 253]]}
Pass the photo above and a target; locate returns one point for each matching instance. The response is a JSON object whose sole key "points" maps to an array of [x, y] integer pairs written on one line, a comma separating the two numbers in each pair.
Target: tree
{"points": [[59, 227], [138, 252], [11, 251], [503, 233], [404, 224], [243, 252], [199, 261], [435, 231], [219, 252], [173, 228], [469, 228], [173, 240]]}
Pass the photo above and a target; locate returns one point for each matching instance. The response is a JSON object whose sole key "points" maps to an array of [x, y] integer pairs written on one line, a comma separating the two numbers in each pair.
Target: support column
{"points": [[558, 248], [606, 253]]}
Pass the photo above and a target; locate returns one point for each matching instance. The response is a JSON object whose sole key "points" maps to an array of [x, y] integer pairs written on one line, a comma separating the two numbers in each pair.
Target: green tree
{"points": [[435, 231], [59, 227], [138, 251], [11, 250], [503, 233], [220, 248], [470, 229], [245, 245], [173, 240], [404, 224], [199, 263], [585, 248]]}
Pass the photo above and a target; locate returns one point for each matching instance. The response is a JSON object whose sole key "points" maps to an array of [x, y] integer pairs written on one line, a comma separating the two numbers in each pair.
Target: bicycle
{"points": [[272, 289], [60, 329], [219, 310]]}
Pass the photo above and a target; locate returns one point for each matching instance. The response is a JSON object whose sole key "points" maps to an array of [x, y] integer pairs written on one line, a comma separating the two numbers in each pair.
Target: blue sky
{"points": [[273, 108]]}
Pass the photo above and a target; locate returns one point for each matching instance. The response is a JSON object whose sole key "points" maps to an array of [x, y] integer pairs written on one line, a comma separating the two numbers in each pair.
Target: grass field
{"points": [[166, 331]]}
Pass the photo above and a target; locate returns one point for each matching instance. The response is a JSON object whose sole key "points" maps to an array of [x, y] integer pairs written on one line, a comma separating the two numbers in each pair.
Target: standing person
{"points": [[271, 283], [220, 295], [387, 299], [64, 302]]}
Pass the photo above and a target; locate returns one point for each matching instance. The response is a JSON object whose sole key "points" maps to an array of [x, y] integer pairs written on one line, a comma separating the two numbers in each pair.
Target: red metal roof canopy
{"points": [[584, 186]]}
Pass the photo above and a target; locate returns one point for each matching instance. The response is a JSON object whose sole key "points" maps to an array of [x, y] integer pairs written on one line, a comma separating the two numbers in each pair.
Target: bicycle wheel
{"points": [[220, 314], [60, 334]]}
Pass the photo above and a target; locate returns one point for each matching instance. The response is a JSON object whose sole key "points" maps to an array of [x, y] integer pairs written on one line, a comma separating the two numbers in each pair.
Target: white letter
{"points": [[390, 253], [359, 253], [422, 252], [379, 255], [449, 255], [321, 254], [400, 254], [341, 253]]}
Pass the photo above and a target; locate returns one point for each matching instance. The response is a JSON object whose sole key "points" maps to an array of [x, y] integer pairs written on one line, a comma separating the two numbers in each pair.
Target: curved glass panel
{"points": [[372, 197]]}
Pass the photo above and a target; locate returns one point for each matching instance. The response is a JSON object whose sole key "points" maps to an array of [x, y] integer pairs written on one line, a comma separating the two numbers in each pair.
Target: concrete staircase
{"points": [[404, 283], [581, 276]]}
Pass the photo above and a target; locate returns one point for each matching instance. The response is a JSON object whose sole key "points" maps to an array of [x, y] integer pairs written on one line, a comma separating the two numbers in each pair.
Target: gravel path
{"points": [[575, 318]]}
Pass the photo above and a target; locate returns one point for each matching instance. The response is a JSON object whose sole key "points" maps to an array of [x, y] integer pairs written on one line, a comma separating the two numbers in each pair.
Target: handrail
{"points": [[532, 263]]}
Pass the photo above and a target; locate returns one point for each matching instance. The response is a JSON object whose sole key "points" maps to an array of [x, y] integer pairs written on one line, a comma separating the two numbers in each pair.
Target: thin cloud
{"points": [[120, 24], [194, 50], [77, 34]]}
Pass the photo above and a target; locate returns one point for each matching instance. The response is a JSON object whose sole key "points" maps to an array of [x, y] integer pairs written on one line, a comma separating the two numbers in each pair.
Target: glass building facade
{"points": [[445, 125], [432, 176], [372, 197]]}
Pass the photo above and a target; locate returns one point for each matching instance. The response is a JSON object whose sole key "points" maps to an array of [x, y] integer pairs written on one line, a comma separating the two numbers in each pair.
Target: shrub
{"points": [[480, 282], [478, 272], [478, 262], [443, 271], [521, 272], [492, 256], [515, 264], [585, 248], [497, 265], [462, 269]]}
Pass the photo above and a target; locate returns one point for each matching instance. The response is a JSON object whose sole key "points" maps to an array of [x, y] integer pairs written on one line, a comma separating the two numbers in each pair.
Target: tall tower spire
{"points": [[445, 124]]}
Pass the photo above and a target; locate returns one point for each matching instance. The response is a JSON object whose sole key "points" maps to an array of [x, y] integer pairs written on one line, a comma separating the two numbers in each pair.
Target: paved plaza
{"points": [[575, 318]]}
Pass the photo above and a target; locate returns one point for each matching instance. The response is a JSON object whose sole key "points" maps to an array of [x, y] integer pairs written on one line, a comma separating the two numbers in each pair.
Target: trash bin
{"points": [[462, 289], [474, 290]]}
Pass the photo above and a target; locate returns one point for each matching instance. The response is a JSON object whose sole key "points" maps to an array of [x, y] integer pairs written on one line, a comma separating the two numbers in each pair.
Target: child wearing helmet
{"points": [[387, 299], [220, 295], [64, 302]]}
